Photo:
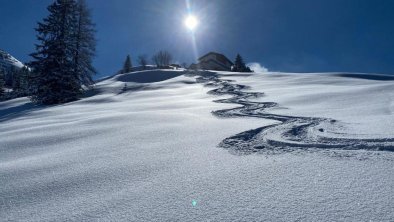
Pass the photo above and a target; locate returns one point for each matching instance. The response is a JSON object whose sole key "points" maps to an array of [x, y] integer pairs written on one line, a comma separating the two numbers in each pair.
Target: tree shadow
{"points": [[19, 110], [378, 77], [142, 79], [148, 76], [141, 87]]}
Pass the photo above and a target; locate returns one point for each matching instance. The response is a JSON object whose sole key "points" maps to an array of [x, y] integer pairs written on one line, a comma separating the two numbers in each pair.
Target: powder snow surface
{"points": [[144, 147]]}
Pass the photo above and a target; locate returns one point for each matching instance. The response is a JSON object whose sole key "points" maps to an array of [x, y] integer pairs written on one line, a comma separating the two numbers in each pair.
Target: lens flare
{"points": [[191, 22]]}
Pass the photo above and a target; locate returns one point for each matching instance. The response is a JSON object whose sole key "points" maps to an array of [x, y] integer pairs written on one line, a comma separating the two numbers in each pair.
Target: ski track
{"points": [[289, 134]]}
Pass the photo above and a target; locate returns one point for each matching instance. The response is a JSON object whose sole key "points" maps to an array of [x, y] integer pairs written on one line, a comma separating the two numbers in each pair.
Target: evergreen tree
{"points": [[127, 67], [24, 80], [85, 44], [239, 65], [9, 76], [20, 82], [16, 80], [62, 61], [2, 83]]}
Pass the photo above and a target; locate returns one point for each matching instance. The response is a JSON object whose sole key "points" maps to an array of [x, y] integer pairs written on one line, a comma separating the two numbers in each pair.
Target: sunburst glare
{"points": [[191, 22]]}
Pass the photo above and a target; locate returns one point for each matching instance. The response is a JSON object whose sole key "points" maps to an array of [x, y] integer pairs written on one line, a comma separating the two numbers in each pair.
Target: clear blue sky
{"points": [[282, 35]]}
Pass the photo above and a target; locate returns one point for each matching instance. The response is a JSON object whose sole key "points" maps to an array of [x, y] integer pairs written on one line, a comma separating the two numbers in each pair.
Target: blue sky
{"points": [[282, 35]]}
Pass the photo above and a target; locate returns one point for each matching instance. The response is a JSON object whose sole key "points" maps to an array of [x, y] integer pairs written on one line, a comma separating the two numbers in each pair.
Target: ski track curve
{"points": [[289, 134]]}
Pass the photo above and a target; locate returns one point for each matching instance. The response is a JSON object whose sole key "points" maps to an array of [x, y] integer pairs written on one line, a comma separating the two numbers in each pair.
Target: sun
{"points": [[191, 22]]}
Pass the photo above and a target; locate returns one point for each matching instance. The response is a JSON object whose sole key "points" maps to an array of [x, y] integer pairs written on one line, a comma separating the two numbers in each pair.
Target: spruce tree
{"points": [[127, 66], [16, 80], [239, 65], [24, 80], [2, 83], [20, 82], [85, 44], [63, 57], [10, 75], [55, 80]]}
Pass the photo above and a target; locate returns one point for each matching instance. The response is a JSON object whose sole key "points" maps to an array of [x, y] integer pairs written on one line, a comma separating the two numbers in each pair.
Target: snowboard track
{"points": [[289, 134]]}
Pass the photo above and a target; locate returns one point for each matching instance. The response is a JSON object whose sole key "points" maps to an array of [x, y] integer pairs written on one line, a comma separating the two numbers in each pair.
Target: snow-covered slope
{"points": [[144, 145], [323, 128], [7, 61]]}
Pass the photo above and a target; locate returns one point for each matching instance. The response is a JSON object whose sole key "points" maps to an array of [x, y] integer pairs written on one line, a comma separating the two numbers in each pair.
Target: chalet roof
{"points": [[217, 54]]}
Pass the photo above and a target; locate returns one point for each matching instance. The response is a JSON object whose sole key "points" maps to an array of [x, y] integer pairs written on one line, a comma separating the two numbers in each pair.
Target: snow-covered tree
{"points": [[239, 65]]}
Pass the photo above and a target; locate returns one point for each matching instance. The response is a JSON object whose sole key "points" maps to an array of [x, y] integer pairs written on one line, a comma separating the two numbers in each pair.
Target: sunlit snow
{"points": [[144, 146]]}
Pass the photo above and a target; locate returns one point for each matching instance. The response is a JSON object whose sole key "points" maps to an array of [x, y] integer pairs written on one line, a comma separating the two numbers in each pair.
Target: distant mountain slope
{"points": [[7, 61]]}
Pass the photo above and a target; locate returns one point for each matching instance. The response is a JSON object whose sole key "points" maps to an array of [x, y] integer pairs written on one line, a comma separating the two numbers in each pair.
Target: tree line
{"points": [[162, 59], [17, 80]]}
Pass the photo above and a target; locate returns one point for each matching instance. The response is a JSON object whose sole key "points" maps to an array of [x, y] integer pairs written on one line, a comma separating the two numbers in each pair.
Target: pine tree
{"points": [[239, 65], [10, 75], [2, 83], [85, 44], [20, 82], [24, 80], [58, 65], [16, 80], [127, 67]]}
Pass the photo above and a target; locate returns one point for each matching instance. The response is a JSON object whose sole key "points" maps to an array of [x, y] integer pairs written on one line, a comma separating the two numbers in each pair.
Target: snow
{"points": [[363, 101], [8, 60], [147, 150]]}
